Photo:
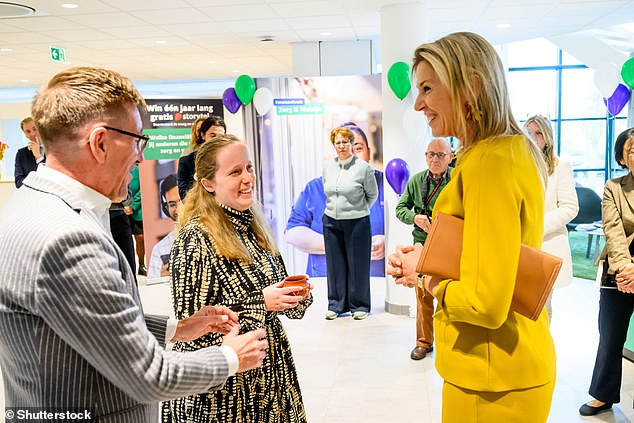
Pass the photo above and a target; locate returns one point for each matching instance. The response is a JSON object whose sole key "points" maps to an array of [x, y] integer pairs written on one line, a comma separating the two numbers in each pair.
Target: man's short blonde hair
{"points": [[78, 96]]}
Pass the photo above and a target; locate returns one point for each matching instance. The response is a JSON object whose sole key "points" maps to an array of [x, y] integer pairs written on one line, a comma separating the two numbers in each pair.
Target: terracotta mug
{"points": [[298, 280]]}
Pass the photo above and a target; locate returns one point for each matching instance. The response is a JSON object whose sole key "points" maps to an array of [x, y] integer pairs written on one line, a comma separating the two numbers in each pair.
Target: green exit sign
{"points": [[58, 54]]}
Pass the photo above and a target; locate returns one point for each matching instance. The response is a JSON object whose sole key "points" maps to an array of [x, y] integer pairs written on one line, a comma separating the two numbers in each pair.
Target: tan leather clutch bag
{"points": [[536, 272]]}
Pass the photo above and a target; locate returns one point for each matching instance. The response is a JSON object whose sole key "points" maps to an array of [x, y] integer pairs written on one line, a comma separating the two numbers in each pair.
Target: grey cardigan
{"points": [[350, 189]]}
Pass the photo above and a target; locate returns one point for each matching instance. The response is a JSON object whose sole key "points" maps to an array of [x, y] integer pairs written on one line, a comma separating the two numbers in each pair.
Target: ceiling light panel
{"points": [[239, 12]]}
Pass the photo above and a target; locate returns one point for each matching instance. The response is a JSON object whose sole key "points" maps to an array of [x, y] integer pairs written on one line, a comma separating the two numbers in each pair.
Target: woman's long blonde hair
{"points": [[546, 128], [202, 204], [472, 71]]}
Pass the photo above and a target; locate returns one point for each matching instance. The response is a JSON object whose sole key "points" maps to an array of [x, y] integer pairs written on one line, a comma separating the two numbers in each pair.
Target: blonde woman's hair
{"points": [[199, 203], [194, 141], [343, 131], [469, 67], [76, 97], [546, 128]]}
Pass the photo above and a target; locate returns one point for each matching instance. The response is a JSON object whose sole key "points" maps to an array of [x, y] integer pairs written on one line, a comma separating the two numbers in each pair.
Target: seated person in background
{"points": [[304, 229], [225, 253], [211, 127], [170, 202], [27, 158]]}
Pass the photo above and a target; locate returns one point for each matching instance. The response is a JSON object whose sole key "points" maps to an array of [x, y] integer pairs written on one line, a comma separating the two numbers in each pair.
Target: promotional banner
{"points": [[168, 124], [169, 121]]}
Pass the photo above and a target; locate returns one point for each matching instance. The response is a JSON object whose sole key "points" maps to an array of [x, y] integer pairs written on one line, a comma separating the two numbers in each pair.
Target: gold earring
{"points": [[473, 113]]}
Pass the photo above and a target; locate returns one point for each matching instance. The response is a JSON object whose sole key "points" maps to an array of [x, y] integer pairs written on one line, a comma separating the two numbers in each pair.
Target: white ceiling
{"points": [[122, 34]]}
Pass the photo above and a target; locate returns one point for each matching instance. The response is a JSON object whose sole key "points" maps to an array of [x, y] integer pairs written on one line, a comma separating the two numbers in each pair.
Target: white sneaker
{"points": [[360, 315], [331, 315]]}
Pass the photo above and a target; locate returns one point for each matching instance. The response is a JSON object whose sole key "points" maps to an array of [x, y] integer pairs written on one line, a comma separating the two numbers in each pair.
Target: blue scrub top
{"points": [[309, 209]]}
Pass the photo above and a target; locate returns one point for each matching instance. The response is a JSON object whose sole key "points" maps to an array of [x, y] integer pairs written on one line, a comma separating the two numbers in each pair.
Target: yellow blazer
{"points": [[618, 221], [482, 345]]}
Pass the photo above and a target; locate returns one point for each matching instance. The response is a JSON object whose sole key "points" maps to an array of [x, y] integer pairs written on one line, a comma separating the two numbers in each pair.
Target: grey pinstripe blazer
{"points": [[72, 330]]}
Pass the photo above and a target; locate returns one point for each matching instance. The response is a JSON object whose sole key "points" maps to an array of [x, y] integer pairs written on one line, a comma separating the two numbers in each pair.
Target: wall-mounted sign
{"points": [[58, 54], [288, 101], [306, 109]]}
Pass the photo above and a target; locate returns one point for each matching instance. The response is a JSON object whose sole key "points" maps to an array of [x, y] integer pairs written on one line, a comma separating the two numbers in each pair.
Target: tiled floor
{"points": [[360, 371]]}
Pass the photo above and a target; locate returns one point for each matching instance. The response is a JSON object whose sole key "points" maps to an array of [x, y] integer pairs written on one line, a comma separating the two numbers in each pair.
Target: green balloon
{"points": [[627, 72], [245, 88], [398, 78]]}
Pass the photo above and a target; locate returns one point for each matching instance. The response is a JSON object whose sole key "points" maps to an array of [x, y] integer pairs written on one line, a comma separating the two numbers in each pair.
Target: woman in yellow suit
{"points": [[498, 366]]}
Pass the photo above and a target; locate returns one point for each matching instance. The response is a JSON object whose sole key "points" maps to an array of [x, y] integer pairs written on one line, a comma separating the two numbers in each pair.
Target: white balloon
{"points": [[263, 100], [414, 123], [607, 78]]}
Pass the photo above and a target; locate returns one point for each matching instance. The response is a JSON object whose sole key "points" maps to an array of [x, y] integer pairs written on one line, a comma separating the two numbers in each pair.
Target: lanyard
{"points": [[432, 192]]}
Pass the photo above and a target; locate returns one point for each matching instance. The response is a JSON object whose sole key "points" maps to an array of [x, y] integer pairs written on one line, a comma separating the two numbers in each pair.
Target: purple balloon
{"points": [[617, 100], [397, 175], [230, 100]]}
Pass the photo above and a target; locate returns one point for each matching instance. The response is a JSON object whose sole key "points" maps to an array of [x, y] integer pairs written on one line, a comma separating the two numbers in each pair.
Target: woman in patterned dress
{"points": [[225, 254]]}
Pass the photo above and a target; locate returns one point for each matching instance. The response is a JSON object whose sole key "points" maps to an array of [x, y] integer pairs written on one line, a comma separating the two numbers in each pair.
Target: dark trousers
{"points": [[348, 245], [615, 310], [122, 235]]}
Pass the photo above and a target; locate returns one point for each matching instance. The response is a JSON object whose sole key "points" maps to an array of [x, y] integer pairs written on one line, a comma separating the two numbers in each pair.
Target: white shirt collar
{"points": [[94, 201], [346, 161]]}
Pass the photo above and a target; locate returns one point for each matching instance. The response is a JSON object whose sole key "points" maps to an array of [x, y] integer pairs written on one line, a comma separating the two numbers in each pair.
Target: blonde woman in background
{"points": [[561, 200], [497, 365]]}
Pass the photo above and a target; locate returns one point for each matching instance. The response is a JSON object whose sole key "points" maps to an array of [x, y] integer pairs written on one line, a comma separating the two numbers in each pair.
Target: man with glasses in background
{"points": [[73, 334], [414, 208]]}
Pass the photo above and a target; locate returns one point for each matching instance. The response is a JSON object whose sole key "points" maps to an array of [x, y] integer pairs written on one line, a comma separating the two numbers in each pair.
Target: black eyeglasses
{"points": [[139, 139], [431, 155]]}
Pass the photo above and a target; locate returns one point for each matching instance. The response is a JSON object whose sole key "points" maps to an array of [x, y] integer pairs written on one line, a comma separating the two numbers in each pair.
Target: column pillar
{"points": [[403, 28]]}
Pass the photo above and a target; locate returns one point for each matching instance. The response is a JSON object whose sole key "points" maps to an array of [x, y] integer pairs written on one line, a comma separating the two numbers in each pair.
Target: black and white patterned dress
{"points": [[199, 276]]}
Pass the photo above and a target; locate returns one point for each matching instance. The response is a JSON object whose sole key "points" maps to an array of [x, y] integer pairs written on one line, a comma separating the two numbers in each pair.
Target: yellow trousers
{"points": [[531, 405]]}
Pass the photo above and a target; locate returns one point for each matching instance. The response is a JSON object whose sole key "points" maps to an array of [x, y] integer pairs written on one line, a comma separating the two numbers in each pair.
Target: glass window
{"points": [[533, 92], [579, 97], [532, 53], [620, 125], [568, 59], [592, 179], [583, 143]]}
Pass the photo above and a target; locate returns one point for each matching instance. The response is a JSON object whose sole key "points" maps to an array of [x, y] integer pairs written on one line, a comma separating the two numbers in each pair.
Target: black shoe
{"points": [[142, 271], [588, 410]]}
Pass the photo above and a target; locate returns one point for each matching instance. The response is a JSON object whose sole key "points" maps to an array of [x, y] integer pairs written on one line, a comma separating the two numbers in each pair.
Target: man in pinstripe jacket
{"points": [[72, 330]]}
